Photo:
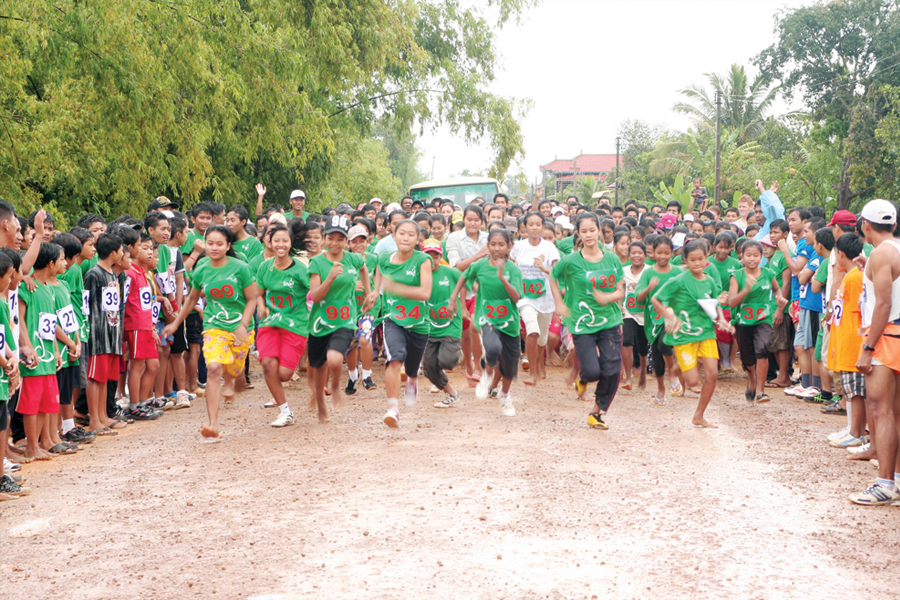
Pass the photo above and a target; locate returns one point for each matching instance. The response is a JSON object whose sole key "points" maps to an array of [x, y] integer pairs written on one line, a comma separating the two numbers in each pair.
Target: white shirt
{"points": [[460, 246], [523, 254], [631, 281]]}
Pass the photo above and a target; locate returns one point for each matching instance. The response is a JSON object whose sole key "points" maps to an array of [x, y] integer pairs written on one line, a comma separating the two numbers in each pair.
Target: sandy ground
{"points": [[458, 503]]}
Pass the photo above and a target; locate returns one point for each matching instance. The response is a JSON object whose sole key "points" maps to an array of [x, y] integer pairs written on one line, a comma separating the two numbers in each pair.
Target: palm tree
{"points": [[744, 105]]}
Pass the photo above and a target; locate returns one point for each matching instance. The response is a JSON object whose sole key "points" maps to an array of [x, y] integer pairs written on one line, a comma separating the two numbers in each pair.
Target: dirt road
{"points": [[458, 503]]}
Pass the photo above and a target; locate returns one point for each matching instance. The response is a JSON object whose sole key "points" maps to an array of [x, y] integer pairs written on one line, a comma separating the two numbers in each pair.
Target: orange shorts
{"points": [[887, 350]]}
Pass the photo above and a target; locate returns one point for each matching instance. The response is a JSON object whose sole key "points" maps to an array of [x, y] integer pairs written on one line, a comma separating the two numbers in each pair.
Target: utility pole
{"points": [[617, 170], [718, 146], [433, 158]]}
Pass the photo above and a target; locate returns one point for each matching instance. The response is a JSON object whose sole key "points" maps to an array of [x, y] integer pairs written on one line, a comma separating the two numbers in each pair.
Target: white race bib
{"points": [[166, 283], [67, 319], [2, 339], [837, 310], [47, 326], [127, 289], [157, 307], [86, 302], [201, 303], [146, 298], [110, 300]]}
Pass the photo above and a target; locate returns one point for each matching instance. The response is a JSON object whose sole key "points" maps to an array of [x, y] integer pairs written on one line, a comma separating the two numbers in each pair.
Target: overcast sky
{"points": [[588, 65]]}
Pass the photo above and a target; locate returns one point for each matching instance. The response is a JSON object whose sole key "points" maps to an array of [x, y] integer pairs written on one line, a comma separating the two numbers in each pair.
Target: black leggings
{"points": [[600, 357], [501, 350]]}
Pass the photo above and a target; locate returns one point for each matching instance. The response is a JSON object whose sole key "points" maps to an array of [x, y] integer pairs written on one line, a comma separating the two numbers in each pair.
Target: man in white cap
{"points": [[377, 203], [298, 201], [879, 358]]}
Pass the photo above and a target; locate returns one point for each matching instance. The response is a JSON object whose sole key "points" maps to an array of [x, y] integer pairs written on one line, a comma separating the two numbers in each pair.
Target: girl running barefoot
{"points": [[594, 284], [689, 303], [442, 350], [753, 295], [404, 277], [499, 281], [535, 257], [332, 281], [230, 294], [633, 337], [662, 357], [283, 283]]}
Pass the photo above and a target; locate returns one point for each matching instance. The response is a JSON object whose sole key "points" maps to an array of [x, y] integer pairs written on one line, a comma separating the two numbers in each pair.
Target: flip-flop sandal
{"points": [[772, 384], [105, 431], [762, 398], [61, 449], [118, 425], [270, 404]]}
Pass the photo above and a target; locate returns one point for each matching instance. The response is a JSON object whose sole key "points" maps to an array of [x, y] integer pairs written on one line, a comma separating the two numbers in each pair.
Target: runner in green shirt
{"points": [[690, 305], [496, 315], [594, 284], [442, 351], [361, 349], [227, 285], [332, 281], [404, 278], [283, 283]]}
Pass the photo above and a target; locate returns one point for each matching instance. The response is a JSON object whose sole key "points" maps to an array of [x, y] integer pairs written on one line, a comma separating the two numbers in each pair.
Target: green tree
{"points": [[638, 139], [745, 104]]}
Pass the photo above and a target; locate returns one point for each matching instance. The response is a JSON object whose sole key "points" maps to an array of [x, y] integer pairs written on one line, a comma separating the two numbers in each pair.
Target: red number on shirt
{"points": [[496, 312]]}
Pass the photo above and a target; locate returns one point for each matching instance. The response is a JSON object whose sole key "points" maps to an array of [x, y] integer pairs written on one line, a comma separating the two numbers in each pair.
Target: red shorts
{"points": [[284, 345], [104, 367], [40, 394], [470, 306], [139, 345], [722, 335]]}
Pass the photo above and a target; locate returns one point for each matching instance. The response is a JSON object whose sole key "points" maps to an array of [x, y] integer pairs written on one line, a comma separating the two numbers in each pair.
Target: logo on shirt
{"points": [[444, 282], [411, 272]]}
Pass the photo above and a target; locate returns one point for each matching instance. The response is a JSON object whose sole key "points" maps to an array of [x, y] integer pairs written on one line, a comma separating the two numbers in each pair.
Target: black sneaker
{"points": [[369, 384], [78, 436], [8, 486], [142, 413], [121, 416], [351, 387]]}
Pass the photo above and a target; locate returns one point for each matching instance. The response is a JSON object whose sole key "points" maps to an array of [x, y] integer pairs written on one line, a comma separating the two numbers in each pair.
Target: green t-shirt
{"points": [[725, 269], [256, 261], [337, 310], [580, 279], [566, 245], [682, 294], [443, 282], [653, 321], [6, 337], [67, 319], [758, 306], [223, 287], [285, 296], [677, 261], [41, 321], [74, 280], [822, 277], [493, 305], [409, 314], [192, 237], [87, 264], [290, 215], [777, 264], [250, 247]]}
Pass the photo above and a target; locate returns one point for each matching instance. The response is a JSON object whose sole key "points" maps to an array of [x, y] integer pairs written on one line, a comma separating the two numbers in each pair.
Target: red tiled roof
{"points": [[585, 163], [568, 178]]}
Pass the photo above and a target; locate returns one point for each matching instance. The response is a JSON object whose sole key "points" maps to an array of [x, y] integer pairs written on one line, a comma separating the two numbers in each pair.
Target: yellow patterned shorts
{"points": [[220, 347], [688, 354]]}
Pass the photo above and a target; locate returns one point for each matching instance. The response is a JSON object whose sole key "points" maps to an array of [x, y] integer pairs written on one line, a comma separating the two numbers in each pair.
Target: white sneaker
{"points": [[858, 449], [808, 393], [794, 390], [447, 402], [392, 417], [507, 409], [848, 441], [876, 495], [9, 466], [839, 434], [435, 389], [284, 419], [412, 391], [483, 389], [182, 399]]}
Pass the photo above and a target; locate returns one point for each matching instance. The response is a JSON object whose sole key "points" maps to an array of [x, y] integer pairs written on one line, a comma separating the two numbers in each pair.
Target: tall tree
{"points": [[837, 56], [745, 104]]}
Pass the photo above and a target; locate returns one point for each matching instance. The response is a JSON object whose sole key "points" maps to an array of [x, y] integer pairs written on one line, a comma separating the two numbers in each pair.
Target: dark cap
{"points": [[337, 224], [161, 202]]}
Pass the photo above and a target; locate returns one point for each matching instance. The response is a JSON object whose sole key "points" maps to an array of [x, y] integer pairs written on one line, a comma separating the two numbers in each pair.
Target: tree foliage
{"points": [[105, 104]]}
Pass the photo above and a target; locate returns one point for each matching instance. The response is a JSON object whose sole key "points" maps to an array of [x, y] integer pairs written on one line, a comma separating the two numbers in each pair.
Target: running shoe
{"points": [[839, 434], [142, 413], [351, 387], [11, 467], [876, 495], [483, 389], [182, 400], [78, 436], [447, 402], [580, 387], [858, 449], [392, 417], [412, 391], [813, 395], [848, 441], [595, 421], [369, 384], [506, 406], [284, 419], [833, 408], [8, 486], [435, 389], [794, 390], [160, 403]]}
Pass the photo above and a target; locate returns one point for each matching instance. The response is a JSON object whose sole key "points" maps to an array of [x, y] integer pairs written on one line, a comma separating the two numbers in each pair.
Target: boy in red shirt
{"points": [[140, 339]]}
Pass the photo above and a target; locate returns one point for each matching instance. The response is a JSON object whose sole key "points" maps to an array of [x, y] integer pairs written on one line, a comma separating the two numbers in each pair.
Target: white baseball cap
{"points": [[557, 210], [357, 231], [376, 201], [688, 218], [564, 222], [879, 211], [298, 194]]}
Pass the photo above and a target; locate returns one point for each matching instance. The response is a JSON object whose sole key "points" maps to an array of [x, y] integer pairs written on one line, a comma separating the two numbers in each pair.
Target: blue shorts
{"points": [[163, 341]]}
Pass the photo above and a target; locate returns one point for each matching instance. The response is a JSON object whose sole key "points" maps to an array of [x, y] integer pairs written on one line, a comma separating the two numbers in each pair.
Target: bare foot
{"points": [[703, 424], [228, 399], [529, 381], [865, 455], [323, 418], [39, 455], [627, 385], [338, 399], [295, 376], [208, 431]]}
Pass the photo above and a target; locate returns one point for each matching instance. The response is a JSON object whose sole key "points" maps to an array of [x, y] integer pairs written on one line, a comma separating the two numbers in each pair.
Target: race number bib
{"points": [[533, 288], [86, 302], [147, 298], [754, 313], [280, 302], [166, 283], [837, 311], [440, 315], [109, 301], [496, 312], [157, 307], [67, 319], [201, 303], [602, 280], [2, 339], [127, 289], [334, 313], [632, 305], [47, 326], [804, 290], [407, 313]]}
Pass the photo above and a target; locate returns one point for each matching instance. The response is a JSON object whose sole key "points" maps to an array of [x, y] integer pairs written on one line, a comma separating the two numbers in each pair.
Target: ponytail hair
{"points": [[299, 231]]}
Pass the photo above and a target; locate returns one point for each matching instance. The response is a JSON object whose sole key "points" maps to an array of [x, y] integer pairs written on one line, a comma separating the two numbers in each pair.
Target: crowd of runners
{"points": [[115, 322]]}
